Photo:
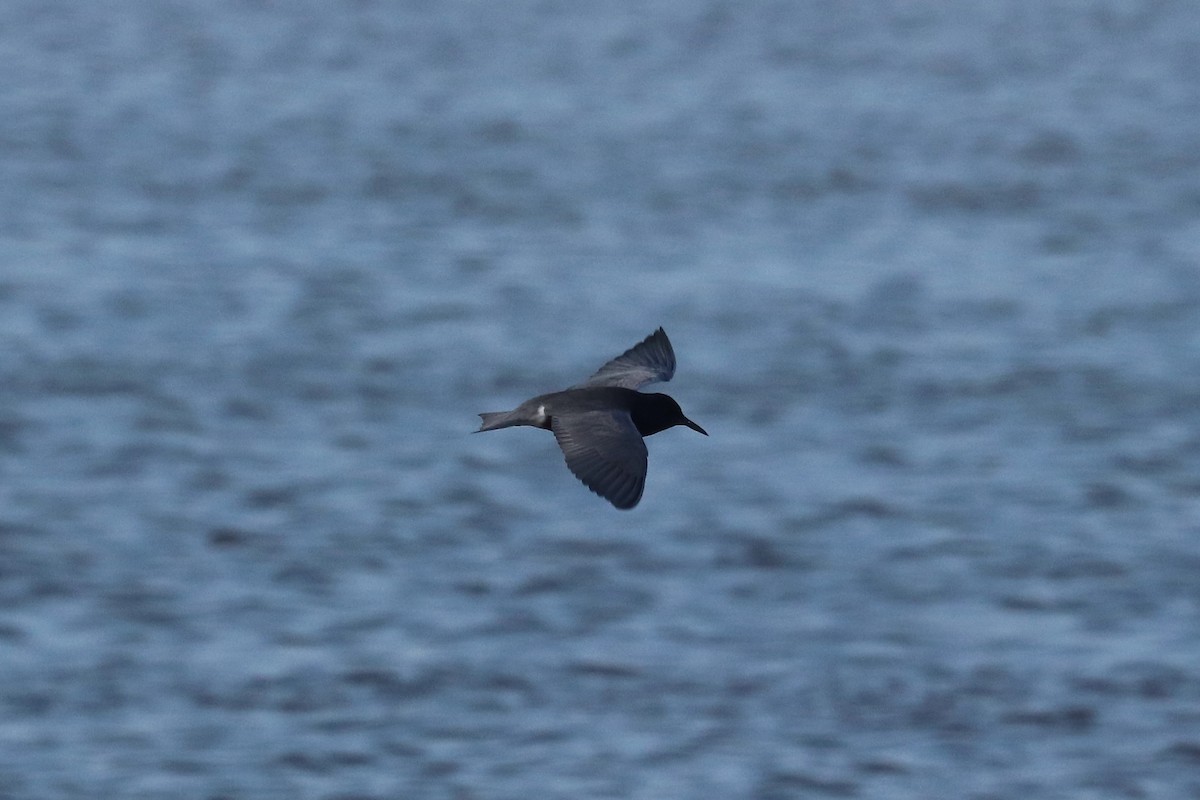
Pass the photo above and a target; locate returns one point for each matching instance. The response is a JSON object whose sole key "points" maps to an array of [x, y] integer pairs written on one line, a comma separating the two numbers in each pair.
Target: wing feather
{"points": [[606, 452], [648, 361]]}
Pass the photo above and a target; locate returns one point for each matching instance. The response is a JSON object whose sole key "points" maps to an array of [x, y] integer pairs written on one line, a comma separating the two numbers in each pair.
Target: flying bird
{"points": [[599, 424]]}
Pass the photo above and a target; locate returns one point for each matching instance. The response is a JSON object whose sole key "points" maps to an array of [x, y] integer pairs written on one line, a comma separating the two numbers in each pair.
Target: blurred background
{"points": [[931, 273]]}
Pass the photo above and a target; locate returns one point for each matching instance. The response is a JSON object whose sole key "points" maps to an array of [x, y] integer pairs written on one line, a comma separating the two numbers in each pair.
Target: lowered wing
{"points": [[606, 452]]}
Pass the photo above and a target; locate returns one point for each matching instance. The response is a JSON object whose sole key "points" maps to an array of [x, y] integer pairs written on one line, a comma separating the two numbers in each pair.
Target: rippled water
{"points": [[931, 274]]}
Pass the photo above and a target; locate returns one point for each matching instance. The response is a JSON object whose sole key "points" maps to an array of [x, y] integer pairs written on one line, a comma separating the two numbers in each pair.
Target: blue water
{"points": [[932, 272]]}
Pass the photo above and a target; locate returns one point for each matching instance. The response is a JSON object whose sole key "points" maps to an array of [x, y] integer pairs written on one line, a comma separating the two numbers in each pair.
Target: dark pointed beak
{"points": [[694, 426]]}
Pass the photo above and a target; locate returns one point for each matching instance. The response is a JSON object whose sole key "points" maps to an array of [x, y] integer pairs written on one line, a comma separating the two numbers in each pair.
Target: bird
{"points": [[600, 423]]}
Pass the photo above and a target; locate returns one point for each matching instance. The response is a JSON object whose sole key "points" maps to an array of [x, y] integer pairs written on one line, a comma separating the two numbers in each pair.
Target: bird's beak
{"points": [[694, 426]]}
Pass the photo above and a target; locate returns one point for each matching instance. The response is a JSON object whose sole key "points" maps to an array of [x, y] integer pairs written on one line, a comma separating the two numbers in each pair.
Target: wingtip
{"points": [[622, 502]]}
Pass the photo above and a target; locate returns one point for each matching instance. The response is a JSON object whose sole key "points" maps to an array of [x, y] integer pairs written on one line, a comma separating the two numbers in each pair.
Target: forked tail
{"points": [[493, 420]]}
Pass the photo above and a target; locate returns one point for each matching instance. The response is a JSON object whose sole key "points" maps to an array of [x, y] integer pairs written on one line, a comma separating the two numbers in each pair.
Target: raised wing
{"points": [[606, 452], [648, 361]]}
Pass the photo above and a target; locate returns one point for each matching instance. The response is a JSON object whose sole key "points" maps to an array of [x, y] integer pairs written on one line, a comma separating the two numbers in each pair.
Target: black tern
{"points": [[599, 424]]}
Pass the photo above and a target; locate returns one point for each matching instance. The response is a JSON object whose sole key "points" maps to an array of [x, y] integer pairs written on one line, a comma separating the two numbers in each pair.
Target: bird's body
{"points": [[540, 411], [599, 424]]}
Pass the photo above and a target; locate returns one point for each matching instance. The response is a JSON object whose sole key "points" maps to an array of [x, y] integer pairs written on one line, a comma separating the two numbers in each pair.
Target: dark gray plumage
{"points": [[599, 424]]}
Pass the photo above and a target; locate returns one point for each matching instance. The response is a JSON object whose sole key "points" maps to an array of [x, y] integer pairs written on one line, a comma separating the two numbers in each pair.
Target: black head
{"points": [[656, 412]]}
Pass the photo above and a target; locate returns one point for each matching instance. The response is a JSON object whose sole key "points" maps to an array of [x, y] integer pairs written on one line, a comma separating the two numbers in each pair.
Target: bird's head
{"points": [[657, 412]]}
